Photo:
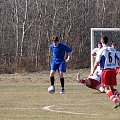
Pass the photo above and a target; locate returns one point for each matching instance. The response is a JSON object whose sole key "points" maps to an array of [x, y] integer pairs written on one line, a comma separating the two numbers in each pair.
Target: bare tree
{"points": [[26, 27]]}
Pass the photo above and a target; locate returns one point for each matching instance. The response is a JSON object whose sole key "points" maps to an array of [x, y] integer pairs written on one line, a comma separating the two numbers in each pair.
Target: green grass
{"points": [[23, 96]]}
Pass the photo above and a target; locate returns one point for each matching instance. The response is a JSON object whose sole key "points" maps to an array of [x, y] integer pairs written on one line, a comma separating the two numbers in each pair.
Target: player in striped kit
{"points": [[106, 57]]}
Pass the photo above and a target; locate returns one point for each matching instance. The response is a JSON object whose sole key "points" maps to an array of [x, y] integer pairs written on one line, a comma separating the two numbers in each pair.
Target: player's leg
{"points": [[112, 97], [62, 81], [62, 68], [116, 93], [108, 76], [52, 79], [81, 80], [92, 83], [53, 68], [86, 82], [100, 88], [78, 77]]}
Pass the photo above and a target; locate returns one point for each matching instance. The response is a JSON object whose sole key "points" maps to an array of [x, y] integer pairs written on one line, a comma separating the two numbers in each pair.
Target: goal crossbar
{"points": [[92, 39]]}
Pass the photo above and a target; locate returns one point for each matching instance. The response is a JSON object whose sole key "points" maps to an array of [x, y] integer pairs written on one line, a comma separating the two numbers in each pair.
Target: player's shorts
{"points": [[60, 66], [94, 83], [108, 77], [117, 70]]}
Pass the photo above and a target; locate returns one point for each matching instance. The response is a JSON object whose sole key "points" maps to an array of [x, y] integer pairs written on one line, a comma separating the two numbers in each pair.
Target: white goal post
{"points": [[92, 39]]}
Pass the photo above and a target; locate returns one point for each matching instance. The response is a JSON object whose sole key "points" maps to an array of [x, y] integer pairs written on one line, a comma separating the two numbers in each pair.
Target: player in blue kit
{"points": [[58, 61]]}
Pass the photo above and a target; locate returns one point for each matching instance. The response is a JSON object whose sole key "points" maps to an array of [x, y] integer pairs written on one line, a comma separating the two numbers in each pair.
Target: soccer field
{"points": [[24, 97]]}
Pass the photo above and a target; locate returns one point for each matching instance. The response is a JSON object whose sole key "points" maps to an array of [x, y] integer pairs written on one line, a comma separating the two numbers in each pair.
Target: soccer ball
{"points": [[51, 89]]}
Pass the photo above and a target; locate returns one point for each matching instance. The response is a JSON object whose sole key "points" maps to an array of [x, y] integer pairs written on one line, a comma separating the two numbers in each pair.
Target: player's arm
{"points": [[93, 53], [98, 57], [68, 50], [68, 57], [95, 67]]}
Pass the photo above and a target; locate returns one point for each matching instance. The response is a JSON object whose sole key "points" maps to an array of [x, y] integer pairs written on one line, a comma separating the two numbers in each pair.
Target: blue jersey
{"points": [[58, 53]]}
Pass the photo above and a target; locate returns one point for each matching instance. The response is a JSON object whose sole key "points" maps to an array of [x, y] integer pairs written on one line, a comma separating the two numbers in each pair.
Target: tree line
{"points": [[26, 28]]}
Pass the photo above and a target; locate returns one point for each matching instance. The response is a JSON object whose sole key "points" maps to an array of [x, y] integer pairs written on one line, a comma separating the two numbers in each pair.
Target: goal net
{"points": [[96, 33]]}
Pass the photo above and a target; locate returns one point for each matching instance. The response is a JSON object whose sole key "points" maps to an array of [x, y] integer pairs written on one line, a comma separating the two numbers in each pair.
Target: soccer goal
{"points": [[102, 31]]}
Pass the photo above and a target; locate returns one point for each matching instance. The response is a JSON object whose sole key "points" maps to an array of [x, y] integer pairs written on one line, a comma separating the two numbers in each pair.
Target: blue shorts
{"points": [[60, 66]]}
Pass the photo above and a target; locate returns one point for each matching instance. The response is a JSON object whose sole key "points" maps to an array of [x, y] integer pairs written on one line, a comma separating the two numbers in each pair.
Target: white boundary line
{"points": [[18, 108], [49, 108]]}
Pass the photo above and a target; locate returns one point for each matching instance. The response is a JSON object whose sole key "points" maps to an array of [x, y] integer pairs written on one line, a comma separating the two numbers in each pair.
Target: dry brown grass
{"points": [[23, 96]]}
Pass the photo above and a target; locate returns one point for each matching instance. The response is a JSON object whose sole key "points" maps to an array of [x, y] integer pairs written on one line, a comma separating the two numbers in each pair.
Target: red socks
{"points": [[112, 97]]}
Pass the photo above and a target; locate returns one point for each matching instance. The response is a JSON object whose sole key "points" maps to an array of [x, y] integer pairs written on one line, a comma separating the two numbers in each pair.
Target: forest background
{"points": [[26, 28]]}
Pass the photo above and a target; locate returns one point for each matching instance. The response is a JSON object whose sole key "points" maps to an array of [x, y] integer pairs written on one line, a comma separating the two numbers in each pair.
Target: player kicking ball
{"points": [[58, 61]]}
